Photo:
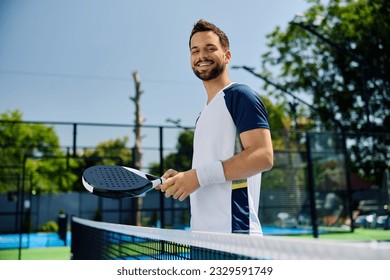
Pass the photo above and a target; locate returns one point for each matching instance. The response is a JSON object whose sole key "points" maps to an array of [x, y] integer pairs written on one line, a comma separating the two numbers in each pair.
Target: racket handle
{"points": [[158, 182]]}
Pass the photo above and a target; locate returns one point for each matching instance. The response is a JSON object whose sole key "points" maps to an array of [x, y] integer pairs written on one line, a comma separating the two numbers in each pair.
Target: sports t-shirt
{"points": [[231, 206]]}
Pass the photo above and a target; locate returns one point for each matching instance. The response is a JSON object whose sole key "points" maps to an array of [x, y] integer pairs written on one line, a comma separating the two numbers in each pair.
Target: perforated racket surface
{"points": [[118, 181]]}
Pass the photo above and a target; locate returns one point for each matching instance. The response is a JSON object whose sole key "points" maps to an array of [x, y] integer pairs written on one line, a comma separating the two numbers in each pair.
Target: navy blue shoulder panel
{"points": [[246, 108]]}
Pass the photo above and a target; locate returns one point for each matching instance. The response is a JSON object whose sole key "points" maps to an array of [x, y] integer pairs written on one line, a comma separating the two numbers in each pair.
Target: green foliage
{"points": [[111, 152], [333, 76], [180, 160], [277, 114], [183, 159], [346, 72], [31, 157], [31, 152]]}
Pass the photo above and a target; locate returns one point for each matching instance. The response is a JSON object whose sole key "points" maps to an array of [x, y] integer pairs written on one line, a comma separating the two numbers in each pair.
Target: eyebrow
{"points": [[207, 45]]}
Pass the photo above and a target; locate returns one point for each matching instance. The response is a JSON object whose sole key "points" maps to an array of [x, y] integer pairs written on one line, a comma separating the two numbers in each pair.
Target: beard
{"points": [[210, 74]]}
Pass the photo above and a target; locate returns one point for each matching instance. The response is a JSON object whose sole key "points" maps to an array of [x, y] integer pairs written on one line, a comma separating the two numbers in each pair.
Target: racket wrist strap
{"points": [[211, 173]]}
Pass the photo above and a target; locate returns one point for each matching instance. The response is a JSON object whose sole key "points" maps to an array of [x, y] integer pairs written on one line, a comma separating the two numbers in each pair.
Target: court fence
{"points": [[314, 184]]}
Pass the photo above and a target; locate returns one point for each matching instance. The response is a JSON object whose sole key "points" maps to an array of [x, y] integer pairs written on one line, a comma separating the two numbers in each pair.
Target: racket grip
{"points": [[158, 182]]}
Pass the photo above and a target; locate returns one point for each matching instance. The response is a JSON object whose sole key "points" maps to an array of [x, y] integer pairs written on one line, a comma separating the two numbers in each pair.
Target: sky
{"points": [[72, 60]]}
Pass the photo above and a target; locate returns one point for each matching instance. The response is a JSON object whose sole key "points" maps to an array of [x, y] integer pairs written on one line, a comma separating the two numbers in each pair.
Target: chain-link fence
{"points": [[319, 180]]}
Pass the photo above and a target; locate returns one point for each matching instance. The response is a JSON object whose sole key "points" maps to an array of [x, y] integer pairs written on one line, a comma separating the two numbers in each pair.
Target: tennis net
{"points": [[93, 240]]}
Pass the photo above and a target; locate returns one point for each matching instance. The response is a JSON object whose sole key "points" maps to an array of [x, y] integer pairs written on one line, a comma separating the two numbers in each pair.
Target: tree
{"points": [[342, 61], [31, 152], [286, 126], [110, 152], [180, 160]]}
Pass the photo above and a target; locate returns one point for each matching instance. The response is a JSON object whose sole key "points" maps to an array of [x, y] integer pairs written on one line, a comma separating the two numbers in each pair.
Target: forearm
{"points": [[256, 157], [248, 163]]}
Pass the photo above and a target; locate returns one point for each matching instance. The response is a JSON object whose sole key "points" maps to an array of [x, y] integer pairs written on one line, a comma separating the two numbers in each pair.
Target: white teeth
{"points": [[204, 64]]}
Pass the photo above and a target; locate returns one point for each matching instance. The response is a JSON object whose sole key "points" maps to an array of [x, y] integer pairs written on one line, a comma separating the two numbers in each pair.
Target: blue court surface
{"points": [[39, 240], [270, 230], [32, 240]]}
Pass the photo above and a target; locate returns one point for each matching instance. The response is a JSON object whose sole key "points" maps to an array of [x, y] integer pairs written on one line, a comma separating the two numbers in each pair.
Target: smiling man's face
{"points": [[208, 58]]}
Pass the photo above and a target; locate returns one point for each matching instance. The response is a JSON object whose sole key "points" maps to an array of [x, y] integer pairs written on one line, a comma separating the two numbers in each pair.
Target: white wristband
{"points": [[211, 173]]}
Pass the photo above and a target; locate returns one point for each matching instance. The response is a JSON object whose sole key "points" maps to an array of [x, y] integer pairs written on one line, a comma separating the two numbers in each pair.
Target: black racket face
{"points": [[115, 181]]}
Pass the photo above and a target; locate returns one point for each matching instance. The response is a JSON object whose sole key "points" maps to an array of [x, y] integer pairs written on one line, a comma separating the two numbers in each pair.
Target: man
{"points": [[232, 144]]}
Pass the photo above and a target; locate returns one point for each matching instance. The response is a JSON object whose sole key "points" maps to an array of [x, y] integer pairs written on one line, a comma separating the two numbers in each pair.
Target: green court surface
{"points": [[48, 253], [359, 234]]}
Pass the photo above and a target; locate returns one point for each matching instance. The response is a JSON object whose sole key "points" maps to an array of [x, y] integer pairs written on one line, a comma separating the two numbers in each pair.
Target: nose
{"points": [[201, 55], [205, 54], [203, 58]]}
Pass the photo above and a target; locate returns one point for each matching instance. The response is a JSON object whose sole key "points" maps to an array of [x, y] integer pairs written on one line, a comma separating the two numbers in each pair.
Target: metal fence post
{"points": [[162, 198], [74, 139], [311, 186]]}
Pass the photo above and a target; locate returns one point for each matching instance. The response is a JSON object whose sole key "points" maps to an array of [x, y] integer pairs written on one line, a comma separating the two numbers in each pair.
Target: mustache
{"points": [[203, 60]]}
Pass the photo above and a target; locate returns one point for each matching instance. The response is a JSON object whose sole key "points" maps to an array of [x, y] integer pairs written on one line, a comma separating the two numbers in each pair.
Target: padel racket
{"points": [[118, 181]]}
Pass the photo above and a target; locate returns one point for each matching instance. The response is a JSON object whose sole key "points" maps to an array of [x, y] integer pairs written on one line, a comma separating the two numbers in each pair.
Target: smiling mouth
{"points": [[204, 63]]}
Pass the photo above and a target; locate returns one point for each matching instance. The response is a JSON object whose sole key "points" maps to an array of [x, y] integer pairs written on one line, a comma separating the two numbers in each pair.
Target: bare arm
{"points": [[256, 157]]}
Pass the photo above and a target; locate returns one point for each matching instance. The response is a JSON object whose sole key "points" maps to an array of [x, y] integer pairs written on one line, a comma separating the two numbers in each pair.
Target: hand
{"points": [[169, 173], [179, 185]]}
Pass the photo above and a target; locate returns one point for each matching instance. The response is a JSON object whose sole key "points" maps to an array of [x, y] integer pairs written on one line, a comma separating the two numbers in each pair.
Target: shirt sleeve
{"points": [[246, 108]]}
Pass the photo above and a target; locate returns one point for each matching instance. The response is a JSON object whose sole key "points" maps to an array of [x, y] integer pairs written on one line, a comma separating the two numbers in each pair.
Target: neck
{"points": [[214, 86]]}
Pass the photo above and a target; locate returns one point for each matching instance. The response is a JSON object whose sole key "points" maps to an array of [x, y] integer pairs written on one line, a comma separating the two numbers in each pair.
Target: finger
{"points": [[167, 194], [169, 182], [161, 186], [170, 191], [169, 173], [167, 189], [176, 194], [183, 196]]}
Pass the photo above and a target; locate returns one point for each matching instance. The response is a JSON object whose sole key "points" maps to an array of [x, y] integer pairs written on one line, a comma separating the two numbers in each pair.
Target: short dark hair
{"points": [[203, 26]]}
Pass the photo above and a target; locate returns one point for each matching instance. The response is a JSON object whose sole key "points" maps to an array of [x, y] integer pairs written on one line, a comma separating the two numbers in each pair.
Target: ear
{"points": [[228, 56]]}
